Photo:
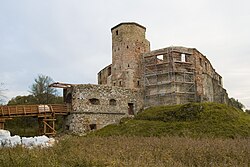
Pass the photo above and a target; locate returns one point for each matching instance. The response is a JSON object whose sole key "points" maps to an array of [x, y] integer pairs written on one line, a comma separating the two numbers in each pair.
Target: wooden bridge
{"points": [[46, 115]]}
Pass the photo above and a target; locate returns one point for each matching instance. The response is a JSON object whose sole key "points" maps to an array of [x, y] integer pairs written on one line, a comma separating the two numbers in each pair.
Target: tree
{"points": [[31, 99], [248, 111], [41, 90], [41, 93], [235, 103]]}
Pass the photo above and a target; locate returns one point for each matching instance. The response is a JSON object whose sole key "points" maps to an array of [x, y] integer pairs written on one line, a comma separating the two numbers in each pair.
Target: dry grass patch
{"points": [[132, 151]]}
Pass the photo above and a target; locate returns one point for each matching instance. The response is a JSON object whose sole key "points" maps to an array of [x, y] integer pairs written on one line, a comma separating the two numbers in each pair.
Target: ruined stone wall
{"points": [[177, 75], [104, 76], [208, 82], [95, 106]]}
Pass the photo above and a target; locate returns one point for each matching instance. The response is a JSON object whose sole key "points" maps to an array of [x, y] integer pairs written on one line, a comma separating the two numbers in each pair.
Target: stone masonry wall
{"points": [[95, 106], [104, 76], [177, 75], [128, 44]]}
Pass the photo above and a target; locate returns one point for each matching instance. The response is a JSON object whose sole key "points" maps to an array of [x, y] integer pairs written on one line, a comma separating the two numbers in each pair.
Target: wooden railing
{"points": [[33, 110], [46, 115]]}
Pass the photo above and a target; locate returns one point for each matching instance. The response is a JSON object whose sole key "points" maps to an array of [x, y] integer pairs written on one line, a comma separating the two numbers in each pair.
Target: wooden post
{"points": [[2, 121]]}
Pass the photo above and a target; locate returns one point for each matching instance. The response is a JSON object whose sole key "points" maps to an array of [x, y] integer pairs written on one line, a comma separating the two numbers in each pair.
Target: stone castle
{"points": [[140, 78]]}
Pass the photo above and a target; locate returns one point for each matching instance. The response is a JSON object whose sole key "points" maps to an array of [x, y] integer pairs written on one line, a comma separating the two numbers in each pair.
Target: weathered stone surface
{"points": [[100, 105], [177, 75], [128, 44]]}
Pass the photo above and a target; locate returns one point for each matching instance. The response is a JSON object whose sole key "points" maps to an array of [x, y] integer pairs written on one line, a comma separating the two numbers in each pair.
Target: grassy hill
{"points": [[191, 120]]}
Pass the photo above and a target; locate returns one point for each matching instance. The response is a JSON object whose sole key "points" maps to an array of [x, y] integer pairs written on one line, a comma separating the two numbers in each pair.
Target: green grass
{"points": [[190, 120]]}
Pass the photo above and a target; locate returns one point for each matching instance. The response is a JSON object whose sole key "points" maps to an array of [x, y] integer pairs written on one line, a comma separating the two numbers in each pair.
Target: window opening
{"points": [[120, 83], [183, 57], [138, 83], [109, 71], [116, 32], [160, 57], [94, 101], [112, 102], [200, 62], [92, 126]]}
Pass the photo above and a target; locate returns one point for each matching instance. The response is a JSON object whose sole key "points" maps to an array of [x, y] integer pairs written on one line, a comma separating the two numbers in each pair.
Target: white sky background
{"points": [[70, 40]]}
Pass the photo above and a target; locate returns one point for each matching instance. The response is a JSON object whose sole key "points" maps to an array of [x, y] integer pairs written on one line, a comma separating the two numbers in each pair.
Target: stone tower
{"points": [[128, 45]]}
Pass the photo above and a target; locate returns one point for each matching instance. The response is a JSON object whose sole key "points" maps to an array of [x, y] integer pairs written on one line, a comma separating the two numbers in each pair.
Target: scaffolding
{"points": [[168, 78]]}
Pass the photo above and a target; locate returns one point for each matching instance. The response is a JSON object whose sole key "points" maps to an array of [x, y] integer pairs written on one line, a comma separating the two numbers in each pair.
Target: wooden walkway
{"points": [[46, 115]]}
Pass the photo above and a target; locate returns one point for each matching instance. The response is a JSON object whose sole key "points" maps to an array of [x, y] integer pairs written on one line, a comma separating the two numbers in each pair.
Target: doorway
{"points": [[131, 108]]}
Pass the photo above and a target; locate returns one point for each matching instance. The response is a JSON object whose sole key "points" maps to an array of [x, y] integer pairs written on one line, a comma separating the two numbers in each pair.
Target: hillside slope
{"points": [[192, 120]]}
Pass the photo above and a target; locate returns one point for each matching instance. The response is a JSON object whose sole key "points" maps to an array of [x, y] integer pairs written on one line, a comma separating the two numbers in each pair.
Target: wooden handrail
{"points": [[33, 110]]}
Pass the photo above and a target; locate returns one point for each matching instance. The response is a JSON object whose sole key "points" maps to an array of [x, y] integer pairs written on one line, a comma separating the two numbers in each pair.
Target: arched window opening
{"points": [[112, 102], [94, 101]]}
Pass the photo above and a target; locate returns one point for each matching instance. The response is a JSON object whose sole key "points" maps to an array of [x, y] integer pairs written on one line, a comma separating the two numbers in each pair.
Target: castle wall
{"points": [[95, 106], [178, 75], [104, 76]]}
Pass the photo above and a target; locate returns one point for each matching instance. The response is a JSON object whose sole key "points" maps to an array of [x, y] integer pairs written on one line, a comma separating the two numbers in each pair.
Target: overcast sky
{"points": [[70, 40]]}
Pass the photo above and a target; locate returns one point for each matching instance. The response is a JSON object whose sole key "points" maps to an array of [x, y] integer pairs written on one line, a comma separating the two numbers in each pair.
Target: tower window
{"points": [[127, 47], [109, 71], [120, 83], [116, 32], [200, 62], [128, 65], [138, 83]]}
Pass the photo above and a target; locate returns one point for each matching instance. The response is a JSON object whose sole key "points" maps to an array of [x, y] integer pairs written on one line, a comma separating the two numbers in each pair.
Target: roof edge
{"points": [[128, 23]]}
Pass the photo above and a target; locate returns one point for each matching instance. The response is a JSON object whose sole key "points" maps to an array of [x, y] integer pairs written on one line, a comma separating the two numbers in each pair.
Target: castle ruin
{"points": [[140, 78]]}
